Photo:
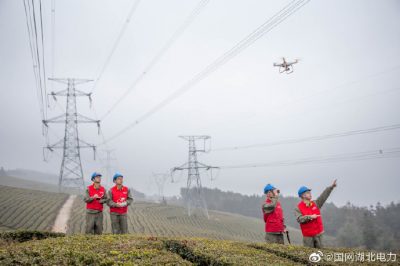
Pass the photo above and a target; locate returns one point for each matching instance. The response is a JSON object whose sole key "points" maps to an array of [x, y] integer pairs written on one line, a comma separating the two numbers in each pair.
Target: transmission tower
{"points": [[108, 165], [160, 179], [194, 195], [71, 173]]}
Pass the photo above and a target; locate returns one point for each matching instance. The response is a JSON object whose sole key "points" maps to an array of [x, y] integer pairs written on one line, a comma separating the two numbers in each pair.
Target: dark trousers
{"points": [[274, 238], [119, 223], [313, 242], [94, 223]]}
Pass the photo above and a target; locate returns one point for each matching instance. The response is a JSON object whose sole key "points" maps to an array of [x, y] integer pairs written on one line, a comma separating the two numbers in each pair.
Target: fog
{"points": [[347, 79]]}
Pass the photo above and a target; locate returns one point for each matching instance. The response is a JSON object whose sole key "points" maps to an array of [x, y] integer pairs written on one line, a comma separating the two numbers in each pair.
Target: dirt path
{"points": [[60, 225]]}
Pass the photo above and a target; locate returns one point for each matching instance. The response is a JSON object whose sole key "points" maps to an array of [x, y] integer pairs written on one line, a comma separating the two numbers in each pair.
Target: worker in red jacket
{"points": [[95, 197], [308, 215], [273, 216], [119, 198]]}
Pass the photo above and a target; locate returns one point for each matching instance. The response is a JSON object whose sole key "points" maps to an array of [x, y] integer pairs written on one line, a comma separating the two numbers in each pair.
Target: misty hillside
{"points": [[146, 218], [33, 175], [376, 227], [349, 225], [30, 179]]}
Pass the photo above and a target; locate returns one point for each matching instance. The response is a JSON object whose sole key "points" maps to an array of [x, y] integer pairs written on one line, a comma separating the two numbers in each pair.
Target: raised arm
{"points": [[325, 195]]}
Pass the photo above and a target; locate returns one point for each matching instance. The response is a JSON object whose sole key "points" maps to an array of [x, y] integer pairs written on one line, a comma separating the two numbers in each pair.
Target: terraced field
{"points": [[160, 220], [37, 210], [28, 209]]}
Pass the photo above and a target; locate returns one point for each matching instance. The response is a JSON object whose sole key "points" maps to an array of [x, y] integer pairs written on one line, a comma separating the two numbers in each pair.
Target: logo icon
{"points": [[316, 256]]}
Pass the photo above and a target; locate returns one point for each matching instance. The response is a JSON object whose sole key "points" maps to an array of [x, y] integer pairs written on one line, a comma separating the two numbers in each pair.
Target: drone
{"points": [[286, 66]]}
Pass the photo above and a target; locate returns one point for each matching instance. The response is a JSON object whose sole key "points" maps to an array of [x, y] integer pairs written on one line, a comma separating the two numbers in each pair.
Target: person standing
{"points": [[119, 198], [95, 197], [273, 216], [308, 215]]}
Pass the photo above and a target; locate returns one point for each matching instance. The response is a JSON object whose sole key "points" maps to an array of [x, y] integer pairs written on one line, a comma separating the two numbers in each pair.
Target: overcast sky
{"points": [[347, 79]]}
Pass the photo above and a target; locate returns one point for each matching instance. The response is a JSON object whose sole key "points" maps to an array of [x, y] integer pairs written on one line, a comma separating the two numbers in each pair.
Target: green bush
{"points": [[25, 235], [144, 250], [216, 252], [90, 250]]}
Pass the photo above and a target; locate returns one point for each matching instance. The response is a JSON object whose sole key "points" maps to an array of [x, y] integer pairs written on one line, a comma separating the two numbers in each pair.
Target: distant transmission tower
{"points": [[71, 173], [108, 166], [194, 195], [160, 179]]}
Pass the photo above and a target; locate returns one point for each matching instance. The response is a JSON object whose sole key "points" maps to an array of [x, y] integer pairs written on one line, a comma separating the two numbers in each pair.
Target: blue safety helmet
{"points": [[116, 175], [268, 187], [94, 175], [302, 190]]}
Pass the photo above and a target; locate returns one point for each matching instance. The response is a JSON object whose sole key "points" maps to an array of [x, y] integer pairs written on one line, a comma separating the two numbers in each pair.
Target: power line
{"points": [[266, 27], [41, 80], [313, 138], [31, 46], [108, 150], [53, 39], [38, 57], [116, 43], [367, 155], [43, 55], [160, 53]]}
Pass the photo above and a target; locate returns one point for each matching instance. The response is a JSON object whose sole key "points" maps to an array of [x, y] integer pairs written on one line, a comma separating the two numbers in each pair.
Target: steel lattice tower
{"points": [[71, 173], [108, 166], [160, 179], [194, 196]]}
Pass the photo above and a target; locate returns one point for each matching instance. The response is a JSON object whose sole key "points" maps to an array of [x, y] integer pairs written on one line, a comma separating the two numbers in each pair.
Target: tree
{"points": [[369, 230]]}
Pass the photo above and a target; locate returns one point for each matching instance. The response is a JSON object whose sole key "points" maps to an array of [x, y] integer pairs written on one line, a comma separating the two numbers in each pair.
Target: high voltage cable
{"points": [[266, 27], [196, 11], [53, 39], [367, 155], [37, 60], [313, 138], [116, 43], [43, 49], [33, 54], [41, 82]]}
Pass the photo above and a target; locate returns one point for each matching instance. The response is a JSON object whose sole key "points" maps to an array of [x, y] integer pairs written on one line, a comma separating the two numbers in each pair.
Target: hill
{"points": [[169, 220], [17, 182], [28, 209], [375, 227], [37, 210], [21, 179], [144, 250], [33, 175]]}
